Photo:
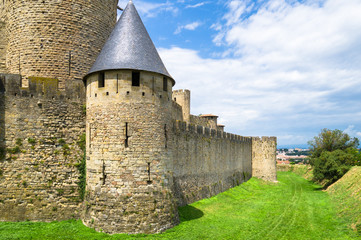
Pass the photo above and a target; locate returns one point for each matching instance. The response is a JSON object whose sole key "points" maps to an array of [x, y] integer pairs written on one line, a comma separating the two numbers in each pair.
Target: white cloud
{"points": [[196, 5], [288, 67], [350, 130], [191, 26]]}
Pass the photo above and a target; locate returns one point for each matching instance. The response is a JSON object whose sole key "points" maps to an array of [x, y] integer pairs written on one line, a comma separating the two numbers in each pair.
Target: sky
{"points": [[284, 68]]}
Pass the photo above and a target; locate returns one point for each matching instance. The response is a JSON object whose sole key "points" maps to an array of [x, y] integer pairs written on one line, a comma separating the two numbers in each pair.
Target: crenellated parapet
{"points": [[208, 161], [209, 132], [41, 88]]}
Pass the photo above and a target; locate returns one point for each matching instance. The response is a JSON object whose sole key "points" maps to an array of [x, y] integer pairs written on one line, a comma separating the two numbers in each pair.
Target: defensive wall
{"points": [[55, 39], [40, 149], [208, 161], [145, 153], [170, 162], [3, 37], [264, 158], [129, 181]]}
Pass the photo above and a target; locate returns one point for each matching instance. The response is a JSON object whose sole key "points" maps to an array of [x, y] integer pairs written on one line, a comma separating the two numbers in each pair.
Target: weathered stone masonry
{"points": [[40, 128], [129, 165], [56, 39], [145, 153], [208, 162]]}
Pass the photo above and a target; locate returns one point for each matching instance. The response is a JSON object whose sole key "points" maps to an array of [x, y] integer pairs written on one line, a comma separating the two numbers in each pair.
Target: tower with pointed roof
{"points": [[128, 94]]}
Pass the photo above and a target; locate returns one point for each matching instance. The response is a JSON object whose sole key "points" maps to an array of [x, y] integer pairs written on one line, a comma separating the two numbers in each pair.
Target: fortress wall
{"points": [[177, 111], [3, 38], [129, 181], [57, 39], [197, 120], [39, 131], [207, 162], [3, 43], [183, 98], [264, 158]]}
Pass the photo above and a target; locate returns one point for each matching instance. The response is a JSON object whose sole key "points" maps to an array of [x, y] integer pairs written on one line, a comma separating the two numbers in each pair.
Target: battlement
{"points": [[40, 87], [186, 91], [209, 132], [263, 138]]}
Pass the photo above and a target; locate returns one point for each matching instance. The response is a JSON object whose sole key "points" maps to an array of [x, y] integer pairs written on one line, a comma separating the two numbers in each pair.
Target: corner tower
{"points": [[128, 94], [56, 39]]}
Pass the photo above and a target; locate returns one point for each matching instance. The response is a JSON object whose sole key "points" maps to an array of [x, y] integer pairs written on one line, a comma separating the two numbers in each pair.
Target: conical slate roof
{"points": [[129, 47]]}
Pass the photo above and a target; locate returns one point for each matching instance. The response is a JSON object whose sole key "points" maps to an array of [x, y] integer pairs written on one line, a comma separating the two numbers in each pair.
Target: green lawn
{"points": [[294, 208]]}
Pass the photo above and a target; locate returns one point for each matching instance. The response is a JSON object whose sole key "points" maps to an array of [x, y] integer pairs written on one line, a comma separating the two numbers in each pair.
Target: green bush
{"points": [[333, 153], [331, 166]]}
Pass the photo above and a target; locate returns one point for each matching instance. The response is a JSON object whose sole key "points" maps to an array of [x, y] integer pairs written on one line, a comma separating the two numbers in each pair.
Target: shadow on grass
{"points": [[320, 188], [188, 213]]}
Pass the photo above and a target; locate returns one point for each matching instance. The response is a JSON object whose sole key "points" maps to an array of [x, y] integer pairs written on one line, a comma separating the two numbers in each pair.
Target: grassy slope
{"points": [[292, 209], [346, 192]]}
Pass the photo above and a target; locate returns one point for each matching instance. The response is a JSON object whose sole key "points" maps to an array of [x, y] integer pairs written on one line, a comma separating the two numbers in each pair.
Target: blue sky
{"points": [[282, 68]]}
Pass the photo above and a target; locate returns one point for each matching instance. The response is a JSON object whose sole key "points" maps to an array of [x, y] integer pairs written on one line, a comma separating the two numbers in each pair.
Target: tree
{"points": [[333, 152]]}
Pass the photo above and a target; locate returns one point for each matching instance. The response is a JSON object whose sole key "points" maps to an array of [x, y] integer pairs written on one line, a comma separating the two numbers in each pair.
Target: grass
{"points": [[346, 192], [294, 208]]}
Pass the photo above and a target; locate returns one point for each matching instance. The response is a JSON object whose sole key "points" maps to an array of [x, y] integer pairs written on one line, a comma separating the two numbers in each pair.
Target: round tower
{"points": [[56, 39], [128, 94]]}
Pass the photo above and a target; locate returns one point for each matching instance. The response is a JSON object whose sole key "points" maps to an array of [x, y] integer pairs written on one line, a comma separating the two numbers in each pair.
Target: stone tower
{"points": [[183, 98], [128, 127], [55, 39]]}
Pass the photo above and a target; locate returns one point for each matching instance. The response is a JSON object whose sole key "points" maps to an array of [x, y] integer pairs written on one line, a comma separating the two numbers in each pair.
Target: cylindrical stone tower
{"points": [[129, 172], [56, 39]]}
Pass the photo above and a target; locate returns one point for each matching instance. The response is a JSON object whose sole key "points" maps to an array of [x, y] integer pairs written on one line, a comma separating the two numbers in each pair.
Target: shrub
{"points": [[333, 152]]}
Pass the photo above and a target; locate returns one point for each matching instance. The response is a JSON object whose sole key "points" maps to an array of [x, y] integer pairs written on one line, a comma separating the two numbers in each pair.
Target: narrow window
{"points": [[103, 173], [135, 79], [126, 143], [165, 135], [149, 181], [117, 83], [69, 62], [165, 84], [101, 80]]}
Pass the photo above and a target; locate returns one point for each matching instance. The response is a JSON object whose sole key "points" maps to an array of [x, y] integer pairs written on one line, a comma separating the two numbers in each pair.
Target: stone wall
{"points": [[183, 98], [264, 158], [3, 37], [40, 129], [198, 120], [3, 44], [207, 162], [129, 181], [57, 39]]}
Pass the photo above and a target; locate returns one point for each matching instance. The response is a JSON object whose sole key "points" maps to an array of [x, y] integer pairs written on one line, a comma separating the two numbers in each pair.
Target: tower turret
{"points": [[56, 39], [128, 93]]}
